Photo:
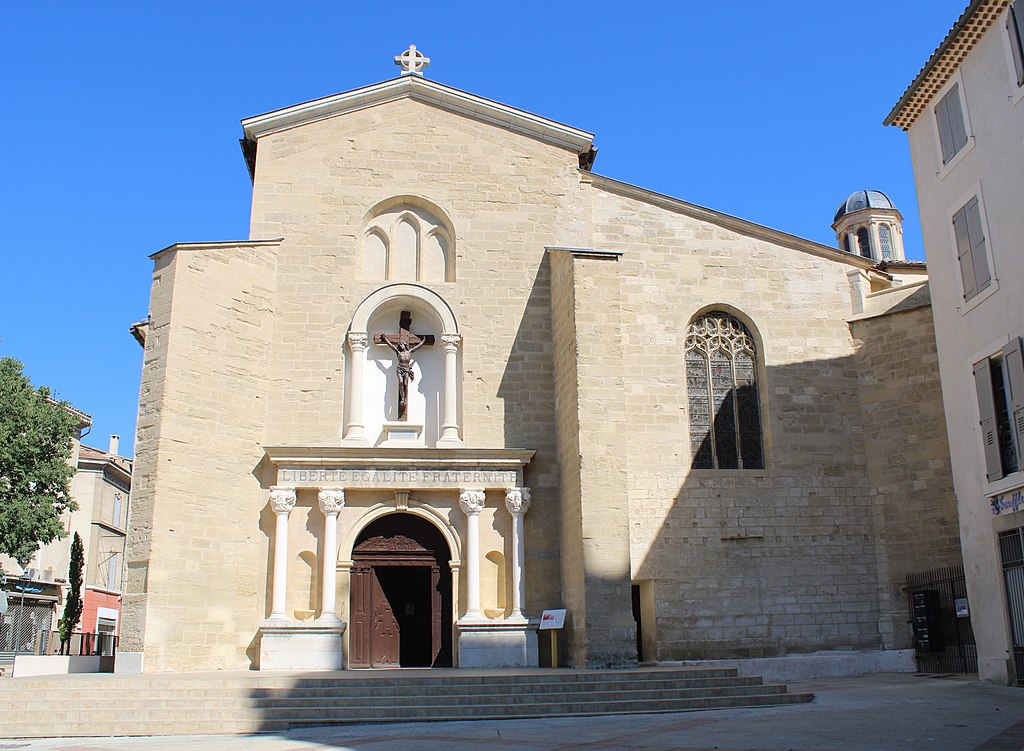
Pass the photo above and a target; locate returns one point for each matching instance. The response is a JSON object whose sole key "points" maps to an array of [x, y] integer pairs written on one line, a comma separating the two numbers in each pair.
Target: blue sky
{"points": [[120, 123]]}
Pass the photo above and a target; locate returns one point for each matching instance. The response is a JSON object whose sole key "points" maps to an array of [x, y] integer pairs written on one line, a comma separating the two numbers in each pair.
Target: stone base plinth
{"points": [[291, 645], [402, 434], [497, 644]]}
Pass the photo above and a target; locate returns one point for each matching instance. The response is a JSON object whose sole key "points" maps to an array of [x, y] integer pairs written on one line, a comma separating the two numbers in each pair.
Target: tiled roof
{"points": [[95, 454], [960, 40]]}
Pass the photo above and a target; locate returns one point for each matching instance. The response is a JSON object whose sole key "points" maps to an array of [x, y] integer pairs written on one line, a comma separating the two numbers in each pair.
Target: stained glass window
{"points": [[721, 389]]}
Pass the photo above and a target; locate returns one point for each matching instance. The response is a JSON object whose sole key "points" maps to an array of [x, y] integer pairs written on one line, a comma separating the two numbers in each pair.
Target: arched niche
{"points": [[418, 236], [371, 399]]}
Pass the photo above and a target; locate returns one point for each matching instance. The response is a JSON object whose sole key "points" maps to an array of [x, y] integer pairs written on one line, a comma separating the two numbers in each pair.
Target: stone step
{"points": [[343, 688], [360, 678], [267, 705], [173, 705], [188, 724]]}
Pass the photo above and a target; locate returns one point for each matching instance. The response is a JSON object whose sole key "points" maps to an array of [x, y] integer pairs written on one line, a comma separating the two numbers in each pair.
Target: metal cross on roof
{"points": [[412, 61]]}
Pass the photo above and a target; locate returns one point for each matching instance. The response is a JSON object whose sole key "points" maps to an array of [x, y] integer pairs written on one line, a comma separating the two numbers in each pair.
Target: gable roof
{"points": [[421, 90], [960, 40]]}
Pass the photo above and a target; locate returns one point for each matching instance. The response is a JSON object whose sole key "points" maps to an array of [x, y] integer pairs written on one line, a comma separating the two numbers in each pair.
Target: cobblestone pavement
{"points": [[870, 713]]}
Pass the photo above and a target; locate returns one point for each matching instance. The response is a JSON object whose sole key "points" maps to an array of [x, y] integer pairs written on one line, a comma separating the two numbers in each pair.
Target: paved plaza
{"points": [[867, 713]]}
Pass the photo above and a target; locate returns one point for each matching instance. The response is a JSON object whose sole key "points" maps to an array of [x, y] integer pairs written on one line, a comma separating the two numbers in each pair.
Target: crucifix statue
{"points": [[404, 343]]}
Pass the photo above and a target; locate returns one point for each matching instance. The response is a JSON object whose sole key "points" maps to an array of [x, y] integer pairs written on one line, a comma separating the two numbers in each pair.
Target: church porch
{"points": [[407, 520]]}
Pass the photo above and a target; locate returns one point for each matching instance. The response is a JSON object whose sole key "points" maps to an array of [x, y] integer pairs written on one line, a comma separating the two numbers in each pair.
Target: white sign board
{"points": [[552, 619]]}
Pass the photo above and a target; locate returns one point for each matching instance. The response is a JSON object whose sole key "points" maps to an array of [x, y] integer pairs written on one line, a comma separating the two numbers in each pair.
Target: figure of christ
{"points": [[404, 343]]}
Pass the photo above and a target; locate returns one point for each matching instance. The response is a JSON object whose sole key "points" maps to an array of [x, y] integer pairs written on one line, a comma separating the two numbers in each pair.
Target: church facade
{"points": [[456, 378]]}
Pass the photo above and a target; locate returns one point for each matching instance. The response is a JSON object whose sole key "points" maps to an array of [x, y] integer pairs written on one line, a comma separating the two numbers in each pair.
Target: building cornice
{"points": [[726, 221], [403, 458], [946, 58], [426, 91], [218, 245]]}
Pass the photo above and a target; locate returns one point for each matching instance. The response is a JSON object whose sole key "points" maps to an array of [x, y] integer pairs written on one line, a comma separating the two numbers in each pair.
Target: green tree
{"points": [[73, 606], [36, 433]]}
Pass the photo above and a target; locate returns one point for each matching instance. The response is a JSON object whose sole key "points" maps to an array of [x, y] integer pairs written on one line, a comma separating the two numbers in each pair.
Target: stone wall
{"points": [[196, 555], [907, 455], [744, 563], [575, 355]]}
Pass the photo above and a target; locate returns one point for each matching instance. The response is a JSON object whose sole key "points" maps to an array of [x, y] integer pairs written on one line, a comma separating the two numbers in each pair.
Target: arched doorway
{"points": [[401, 609]]}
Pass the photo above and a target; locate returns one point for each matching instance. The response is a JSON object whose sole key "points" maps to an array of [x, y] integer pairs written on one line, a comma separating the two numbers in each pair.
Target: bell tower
{"points": [[868, 225]]}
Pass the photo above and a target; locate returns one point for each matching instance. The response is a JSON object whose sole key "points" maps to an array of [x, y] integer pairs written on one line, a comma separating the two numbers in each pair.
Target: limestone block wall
{"points": [[195, 554], [507, 197], [743, 563], [592, 436], [907, 455]]}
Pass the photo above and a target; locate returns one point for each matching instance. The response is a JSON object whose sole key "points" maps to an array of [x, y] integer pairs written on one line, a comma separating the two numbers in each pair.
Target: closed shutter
{"points": [[957, 126], [1013, 372], [945, 131], [949, 114], [1015, 28], [987, 410], [963, 252], [979, 258]]}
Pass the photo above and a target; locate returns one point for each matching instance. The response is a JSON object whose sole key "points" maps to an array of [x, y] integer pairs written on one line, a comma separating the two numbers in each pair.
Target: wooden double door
{"points": [[400, 613]]}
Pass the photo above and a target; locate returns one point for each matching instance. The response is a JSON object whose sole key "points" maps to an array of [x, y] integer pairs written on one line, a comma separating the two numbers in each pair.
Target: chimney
{"points": [[114, 441]]}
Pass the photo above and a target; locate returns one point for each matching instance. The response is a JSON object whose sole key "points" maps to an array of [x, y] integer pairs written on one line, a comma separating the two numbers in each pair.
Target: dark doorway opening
{"points": [[638, 620], [401, 609]]}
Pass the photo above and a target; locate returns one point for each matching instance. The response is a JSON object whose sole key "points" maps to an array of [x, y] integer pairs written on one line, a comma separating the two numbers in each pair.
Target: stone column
{"points": [[450, 416], [282, 500], [472, 502], [354, 430], [332, 501], [517, 501]]}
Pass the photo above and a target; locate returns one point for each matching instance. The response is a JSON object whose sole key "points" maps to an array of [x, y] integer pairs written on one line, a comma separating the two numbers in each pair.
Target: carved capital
{"points": [[282, 499], [472, 501], [357, 340], [332, 500], [517, 500], [450, 342]]}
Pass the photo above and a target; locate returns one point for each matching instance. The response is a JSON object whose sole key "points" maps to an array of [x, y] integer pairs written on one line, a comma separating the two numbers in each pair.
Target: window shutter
{"points": [[1015, 27], [1013, 370], [979, 259], [963, 252], [987, 410], [945, 132], [957, 126]]}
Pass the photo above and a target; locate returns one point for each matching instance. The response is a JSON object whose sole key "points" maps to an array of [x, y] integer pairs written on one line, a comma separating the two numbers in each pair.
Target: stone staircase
{"points": [[207, 703]]}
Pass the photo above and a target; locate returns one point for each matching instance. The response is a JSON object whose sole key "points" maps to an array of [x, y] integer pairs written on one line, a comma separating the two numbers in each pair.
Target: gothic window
{"points": [[721, 388], [408, 242], [885, 240]]}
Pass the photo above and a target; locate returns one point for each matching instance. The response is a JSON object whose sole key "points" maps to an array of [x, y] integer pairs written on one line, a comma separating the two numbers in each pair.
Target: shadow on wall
{"points": [[791, 555], [526, 391]]}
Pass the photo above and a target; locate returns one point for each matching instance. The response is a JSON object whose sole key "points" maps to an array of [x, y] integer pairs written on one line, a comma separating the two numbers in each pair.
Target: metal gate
{"points": [[940, 618], [20, 625], [1011, 548]]}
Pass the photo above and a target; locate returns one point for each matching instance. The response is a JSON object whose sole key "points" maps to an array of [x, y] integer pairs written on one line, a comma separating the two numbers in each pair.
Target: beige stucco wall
{"points": [[992, 166]]}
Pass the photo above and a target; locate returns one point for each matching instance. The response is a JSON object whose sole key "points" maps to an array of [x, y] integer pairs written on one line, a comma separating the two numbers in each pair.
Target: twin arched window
{"points": [[721, 389]]}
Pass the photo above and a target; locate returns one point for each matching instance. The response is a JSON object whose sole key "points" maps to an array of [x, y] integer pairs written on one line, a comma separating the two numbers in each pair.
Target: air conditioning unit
{"points": [[32, 573]]}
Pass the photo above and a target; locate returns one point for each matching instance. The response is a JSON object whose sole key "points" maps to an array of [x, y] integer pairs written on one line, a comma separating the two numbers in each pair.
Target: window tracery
{"points": [[721, 387]]}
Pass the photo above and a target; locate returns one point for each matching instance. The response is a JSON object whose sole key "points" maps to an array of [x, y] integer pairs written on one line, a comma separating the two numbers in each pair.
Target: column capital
{"points": [[517, 500], [332, 500], [282, 499], [451, 342], [357, 340], [472, 500]]}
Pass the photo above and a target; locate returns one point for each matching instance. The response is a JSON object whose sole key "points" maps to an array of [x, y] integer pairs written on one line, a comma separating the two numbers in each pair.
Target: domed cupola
{"points": [[868, 224]]}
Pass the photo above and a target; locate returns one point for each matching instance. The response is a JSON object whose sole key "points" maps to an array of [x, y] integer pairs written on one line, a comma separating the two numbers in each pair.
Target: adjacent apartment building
{"points": [[964, 116], [101, 487]]}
